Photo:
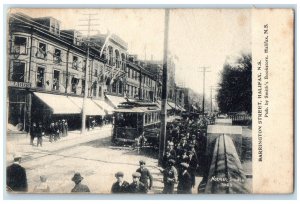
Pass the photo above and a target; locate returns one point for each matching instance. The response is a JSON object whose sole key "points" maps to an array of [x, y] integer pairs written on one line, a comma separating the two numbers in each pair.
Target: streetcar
{"points": [[135, 120]]}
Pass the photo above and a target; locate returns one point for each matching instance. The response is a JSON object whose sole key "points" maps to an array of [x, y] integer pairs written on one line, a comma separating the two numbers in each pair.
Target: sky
{"points": [[197, 37]]}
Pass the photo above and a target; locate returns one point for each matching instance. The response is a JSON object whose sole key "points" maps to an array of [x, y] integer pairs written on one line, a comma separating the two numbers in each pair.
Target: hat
{"points": [[77, 177], [119, 174], [190, 152], [172, 161], [17, 156], [136, 175], [183, 164], [142, 162], [43, 178]]}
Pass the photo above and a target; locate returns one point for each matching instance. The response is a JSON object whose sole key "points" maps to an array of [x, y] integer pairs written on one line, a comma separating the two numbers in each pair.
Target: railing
{"points": [[225, 174], [241, 119]]}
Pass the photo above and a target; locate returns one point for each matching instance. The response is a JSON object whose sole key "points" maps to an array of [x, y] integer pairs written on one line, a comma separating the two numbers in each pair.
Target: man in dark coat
{"points": [[120, 186], [16, 179], [32, 132], [193, 165], [145, 175], [184, 180], [136, 186], [79, 188], [39, 134], [170, 177]]}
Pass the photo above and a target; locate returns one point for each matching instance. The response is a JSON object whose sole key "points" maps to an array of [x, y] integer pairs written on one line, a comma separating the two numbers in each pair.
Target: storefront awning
{"points": [[107, 108], [59, 104], [91, 107], [115, 100]]}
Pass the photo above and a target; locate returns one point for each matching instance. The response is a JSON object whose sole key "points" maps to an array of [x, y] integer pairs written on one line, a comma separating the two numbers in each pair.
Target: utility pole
{"points": [[89, 24], [203, 70], [162, 138]]}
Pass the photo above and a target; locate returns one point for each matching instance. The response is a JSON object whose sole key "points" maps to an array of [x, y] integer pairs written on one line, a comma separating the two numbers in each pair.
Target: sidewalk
{"points": [[19, 143]]}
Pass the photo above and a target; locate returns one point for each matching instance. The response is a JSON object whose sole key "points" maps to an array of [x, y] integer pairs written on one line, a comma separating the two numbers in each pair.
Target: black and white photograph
{"points": [[129, 101]]}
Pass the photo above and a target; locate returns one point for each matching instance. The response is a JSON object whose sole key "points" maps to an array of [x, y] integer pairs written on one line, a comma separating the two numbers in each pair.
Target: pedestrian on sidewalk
{"points": [[184, 180], [56, 131], [120, 186], [33, 130], [64, 132], [60, 128], [136, 186], [79, 188], [40, 133], [16, 179], [52, 132], [169, 177], [43, 186], [66, 127], [145, 175]]}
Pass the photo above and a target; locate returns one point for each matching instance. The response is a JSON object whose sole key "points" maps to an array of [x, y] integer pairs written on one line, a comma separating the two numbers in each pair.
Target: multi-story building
{"points": [[141, 83], [46, 72]]}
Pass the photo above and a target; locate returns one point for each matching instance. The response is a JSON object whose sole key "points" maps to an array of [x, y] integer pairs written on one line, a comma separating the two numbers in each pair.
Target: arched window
{"points": [[117, 59], [123, 61], [111, 55]]}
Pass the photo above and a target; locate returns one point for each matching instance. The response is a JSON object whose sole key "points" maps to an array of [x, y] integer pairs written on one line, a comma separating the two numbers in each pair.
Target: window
{"points": [[40, 77], [75, 62], [95, 89], [19, 45], [17, 72], [41, 53], [120, 87], [82, 86], [132, 74], [99, 91], [57, 56], [114, 87], [74, 83], [55, 80], [128, 73], [95, 72]]}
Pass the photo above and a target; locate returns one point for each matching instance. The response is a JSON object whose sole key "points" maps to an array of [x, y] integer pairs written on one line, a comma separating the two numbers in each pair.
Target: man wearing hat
{"points": [[16, 179], [79, 188], [145, 175], [136, 186], [184, 180], [170, 177], [120, 186]]}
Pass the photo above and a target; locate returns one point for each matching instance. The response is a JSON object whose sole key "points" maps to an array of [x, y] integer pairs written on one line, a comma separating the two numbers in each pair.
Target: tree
{"points": [[235, 93]]}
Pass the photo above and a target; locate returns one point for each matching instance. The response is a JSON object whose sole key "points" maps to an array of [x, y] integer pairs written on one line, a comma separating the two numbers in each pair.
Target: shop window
{"points": [[99, 91], [17, 72], [19, 45], [94, 89], [42, 51], [120, 87], [114, 87], [56, 80], [40, 78]]}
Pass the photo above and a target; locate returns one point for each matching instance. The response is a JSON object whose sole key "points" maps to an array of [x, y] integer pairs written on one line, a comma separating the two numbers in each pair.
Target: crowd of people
{"points": [[185, 153], [56, 130]]}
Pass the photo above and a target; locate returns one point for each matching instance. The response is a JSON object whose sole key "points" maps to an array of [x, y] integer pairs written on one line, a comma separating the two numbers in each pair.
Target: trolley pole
{"points": [[162, 139], [89, 24]]}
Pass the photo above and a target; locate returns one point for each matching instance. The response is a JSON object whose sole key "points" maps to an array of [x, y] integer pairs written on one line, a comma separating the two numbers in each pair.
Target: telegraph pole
{"points": [[203, 70], [162, 138], [89, 24]]}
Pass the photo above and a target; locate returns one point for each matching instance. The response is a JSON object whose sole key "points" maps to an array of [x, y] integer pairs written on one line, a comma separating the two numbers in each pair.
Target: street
{"points": [[92, 155]]}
